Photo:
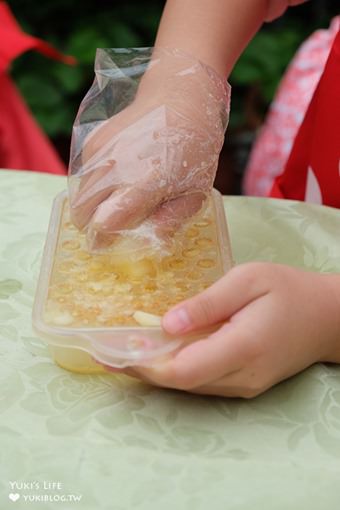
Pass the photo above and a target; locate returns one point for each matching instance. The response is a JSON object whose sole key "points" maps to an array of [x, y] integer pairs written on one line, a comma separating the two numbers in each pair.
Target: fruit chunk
{"points": [[147, 319], [133, 269]]}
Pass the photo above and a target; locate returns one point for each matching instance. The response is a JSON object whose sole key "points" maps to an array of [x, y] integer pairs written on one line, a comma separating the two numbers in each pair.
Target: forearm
{"points": [[214, 31]]}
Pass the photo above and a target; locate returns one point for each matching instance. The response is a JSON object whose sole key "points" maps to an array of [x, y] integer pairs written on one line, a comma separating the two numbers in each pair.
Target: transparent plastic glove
{"points": [[144, 152], [277, 7]]}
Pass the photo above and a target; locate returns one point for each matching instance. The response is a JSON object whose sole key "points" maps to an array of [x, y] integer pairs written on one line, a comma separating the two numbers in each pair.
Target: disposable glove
{"points": [[144, 169]]}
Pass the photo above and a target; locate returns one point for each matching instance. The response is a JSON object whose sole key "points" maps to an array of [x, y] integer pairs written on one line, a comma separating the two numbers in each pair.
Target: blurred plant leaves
{"points": [[53, 90], [83, 43], [68, 78], [266, 58], [42, 94]]}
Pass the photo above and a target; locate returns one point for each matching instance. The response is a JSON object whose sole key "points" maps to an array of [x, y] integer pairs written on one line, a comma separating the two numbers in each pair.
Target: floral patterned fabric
{"points": [[119, 444]]}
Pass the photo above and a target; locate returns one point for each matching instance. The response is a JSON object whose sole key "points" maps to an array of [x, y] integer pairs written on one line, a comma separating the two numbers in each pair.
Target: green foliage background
{"points": [[54, 90]]}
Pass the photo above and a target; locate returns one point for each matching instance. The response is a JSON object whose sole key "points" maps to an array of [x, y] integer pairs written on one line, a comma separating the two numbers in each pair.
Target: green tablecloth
{"points": [[120, 444]]}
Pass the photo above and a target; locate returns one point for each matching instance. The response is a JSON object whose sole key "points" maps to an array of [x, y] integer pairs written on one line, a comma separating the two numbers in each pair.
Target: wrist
{"points": [[180, 80]]}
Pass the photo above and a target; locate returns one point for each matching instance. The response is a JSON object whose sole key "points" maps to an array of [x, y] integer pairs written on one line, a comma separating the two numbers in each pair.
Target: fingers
{"points": [[171, 214], [124, 209], [223, 352], [217, 303], [237, 344], [94, 188], [116, 157], [131, 167], [229, 386], [89, 179]]}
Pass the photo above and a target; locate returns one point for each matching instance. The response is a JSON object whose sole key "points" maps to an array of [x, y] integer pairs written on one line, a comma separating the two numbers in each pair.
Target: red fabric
{"points": [[312, 170], [23, 145], [275, 139], [14, 41]]}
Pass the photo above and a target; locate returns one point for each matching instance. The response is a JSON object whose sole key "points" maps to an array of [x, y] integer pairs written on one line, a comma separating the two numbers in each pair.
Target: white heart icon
{"points": [[14, 497]]}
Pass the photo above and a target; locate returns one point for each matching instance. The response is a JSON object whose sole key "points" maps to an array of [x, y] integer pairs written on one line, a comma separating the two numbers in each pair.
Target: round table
{"points": [[118, 444]]}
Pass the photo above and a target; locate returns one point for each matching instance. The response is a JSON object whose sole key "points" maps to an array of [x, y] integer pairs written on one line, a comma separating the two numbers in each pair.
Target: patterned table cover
{"points": [[117, 444]]}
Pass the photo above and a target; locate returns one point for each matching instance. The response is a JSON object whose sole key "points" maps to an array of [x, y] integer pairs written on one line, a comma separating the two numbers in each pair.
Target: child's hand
{"points": [[155, 159], [276, 321]]}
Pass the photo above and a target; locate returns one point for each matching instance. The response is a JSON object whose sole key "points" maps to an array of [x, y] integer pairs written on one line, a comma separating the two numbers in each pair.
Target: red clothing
{"points": [[275, 139], [23, 145], [14, 41], [312, 172]]}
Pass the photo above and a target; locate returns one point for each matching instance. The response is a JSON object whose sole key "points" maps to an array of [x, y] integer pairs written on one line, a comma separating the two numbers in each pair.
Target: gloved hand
{"points": [[154, 160]]}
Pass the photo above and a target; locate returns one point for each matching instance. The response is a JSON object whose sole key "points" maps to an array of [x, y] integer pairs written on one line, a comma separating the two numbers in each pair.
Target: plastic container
{"points": [[92, 306]]}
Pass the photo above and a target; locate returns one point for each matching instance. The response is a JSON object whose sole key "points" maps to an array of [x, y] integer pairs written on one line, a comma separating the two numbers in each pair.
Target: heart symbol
{"points": [[14, 497]]}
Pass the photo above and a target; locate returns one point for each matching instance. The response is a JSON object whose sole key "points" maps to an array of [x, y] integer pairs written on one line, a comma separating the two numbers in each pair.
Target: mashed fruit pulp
{"points": [[106, 290]]}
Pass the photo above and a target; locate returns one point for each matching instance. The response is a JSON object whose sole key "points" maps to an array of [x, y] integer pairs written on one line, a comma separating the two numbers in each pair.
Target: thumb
{"points": [[240, 286]]}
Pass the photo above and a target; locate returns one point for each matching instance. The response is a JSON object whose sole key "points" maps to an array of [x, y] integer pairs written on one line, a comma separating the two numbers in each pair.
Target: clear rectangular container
{"points": [[107, 306]]}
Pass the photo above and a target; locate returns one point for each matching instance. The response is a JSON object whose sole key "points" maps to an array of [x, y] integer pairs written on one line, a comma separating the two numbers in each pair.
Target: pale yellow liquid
{"points": [[105, 290]]}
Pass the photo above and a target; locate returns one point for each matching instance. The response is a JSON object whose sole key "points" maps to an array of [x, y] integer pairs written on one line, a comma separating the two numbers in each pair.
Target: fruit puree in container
{"points": [[108, 306]]}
